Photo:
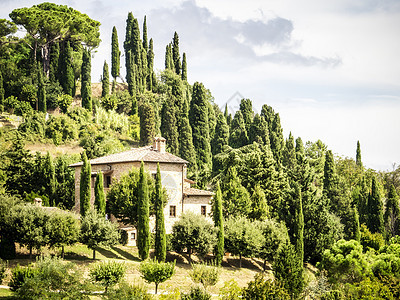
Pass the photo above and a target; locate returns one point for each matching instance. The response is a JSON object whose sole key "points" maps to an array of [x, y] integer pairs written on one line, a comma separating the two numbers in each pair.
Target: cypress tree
{"points": [[127, 43], [375, 209], [392, 213], [186, 148], [54, 59], [1, 93], [330, 177], [145, 45], [99, 196], [289, 155], [115, 54], [221, 135], [218, 223], [144, 69], [259, 206], [49, 178], [276, 138], [169, 128], [150, 63], [227, 115], [298, 233], [246, 107], [258, 131], [67, 71], [238, 133], [86, 90], [175, 54], [198, 118], [358, 155], [160, 246], [147, 123], [168, 57], [105, 81], [85, 183], [41, 93], [143, 231], [184, 67], [132, 79]]}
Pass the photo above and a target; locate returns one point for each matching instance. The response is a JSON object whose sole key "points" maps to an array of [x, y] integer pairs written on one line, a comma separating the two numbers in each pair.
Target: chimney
{"points": [[37, 201], [159, 144]]}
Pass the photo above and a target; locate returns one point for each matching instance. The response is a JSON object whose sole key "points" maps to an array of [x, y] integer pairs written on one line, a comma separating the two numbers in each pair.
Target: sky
{"points": [[329, 68]]}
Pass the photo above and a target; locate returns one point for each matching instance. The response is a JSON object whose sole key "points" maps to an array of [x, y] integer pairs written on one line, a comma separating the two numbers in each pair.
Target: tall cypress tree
{"points": [[147, 123], [85, 183], [375, 209], [132, 79], [330, 177], [49, 178], [1, 93], [41, 92], [392, 213], [186, 148], [105, 81], [258, 131], [86, 90], [150, 64], [99, 196], [127, 43], [143, 231], [259, 206], [246, 107], [160, 246], [358, 155], [66, 71], [218, 223], [184, 67], [54, 59], [238, 133], [115, 54], [276, 138], [221, 135], [169, 126], [198, 118], [298, 223], [175, 54], [168, 57], [145, 45]]}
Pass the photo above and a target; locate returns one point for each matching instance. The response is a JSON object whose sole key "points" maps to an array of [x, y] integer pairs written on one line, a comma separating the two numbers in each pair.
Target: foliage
{"points": [[115, 54], [219, 224], [143, 213], [97, 231], [160, 238], [371, 240], [61, 129], [126, 291], [99, 196], [3, 268], [196, 293], [263, 288], [105, 81], [157, 272], [194, 233], [375, 209], [230, 290], [19, 275], [64, 102], [108, 273], [85, 186], [147, 129], [205, 274], [111, 120]]}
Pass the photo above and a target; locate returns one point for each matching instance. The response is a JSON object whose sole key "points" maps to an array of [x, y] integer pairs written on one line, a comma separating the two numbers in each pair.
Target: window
{"points": [[133, 236], [172, 211], [203, 210], [108, 181]]}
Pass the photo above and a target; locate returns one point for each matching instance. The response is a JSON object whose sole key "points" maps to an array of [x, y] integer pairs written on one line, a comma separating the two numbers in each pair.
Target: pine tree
{"points": [[175, 54], [169, 128], [86, 90], [115, 54], [150, 63], [392, 213], [358, 155], [41, 93], [105, 81], [375, 209], [1, 92], [66, 71], [143, 231], [184, 67], [160, 246], [246, 107], [85, 188], [218, 223], [221, 135], [99, 196], [198, 118], [238, 133], [54, 60], [147, 123]]}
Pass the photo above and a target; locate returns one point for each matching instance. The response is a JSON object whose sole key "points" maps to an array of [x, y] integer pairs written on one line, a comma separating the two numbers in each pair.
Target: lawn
{"points": [[181, 281]]}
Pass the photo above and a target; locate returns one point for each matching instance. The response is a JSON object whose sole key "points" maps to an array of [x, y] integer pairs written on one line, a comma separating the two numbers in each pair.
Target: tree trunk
{"points": [[46, 59], [264, 264], [156, 288], [94, 254], [30, 252], [240, 260], [62, 251]]}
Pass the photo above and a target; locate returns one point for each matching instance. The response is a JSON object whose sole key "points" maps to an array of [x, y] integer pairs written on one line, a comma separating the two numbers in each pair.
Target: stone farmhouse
{"points": [[181, 196]]}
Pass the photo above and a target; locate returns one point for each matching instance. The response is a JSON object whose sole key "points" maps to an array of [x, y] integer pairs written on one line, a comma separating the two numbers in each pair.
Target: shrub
{"points": [[53, 91], [157, 272], [262, 288], [196, 293], [20, 275], [108, 273], [3, 268], [205, 274], [64, 101], [126, 291], [230, 291], [112, 120], [34, 123], [80, 115], [61, 129], [371, 240]]}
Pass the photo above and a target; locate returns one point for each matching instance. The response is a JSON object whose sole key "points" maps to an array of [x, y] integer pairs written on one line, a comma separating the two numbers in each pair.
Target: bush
{"points": [[108, 273], [196, 293], [53, 91], [205, 274], [64, 101], [19, 276], [80, 115], [126, 291], [3, 268], [20, 108], [371, 240], [230, 291], [61, 129], [157, 272], [262, 288]]}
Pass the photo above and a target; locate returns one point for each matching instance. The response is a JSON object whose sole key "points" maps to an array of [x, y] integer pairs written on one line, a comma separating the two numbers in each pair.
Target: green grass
{"points": [[6, 294]]}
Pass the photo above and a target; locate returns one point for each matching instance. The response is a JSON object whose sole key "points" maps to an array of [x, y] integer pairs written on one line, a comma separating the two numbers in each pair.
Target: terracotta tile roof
{"points": [[145, 154], [196, 192]]}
